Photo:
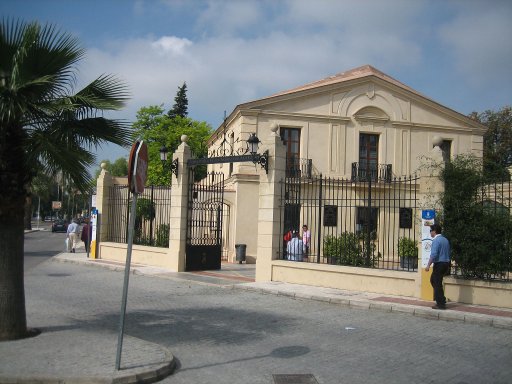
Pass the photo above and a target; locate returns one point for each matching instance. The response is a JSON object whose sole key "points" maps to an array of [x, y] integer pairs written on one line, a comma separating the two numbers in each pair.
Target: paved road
{"points": [[41, 244], [221, 335]]}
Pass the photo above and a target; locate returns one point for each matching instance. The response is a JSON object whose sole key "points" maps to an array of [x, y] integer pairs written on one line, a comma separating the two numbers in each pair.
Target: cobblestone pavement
{"points": [[217, 334]]}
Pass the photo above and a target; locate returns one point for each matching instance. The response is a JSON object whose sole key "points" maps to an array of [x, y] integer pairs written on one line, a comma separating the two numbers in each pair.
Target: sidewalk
{"points": [[53, 354]]}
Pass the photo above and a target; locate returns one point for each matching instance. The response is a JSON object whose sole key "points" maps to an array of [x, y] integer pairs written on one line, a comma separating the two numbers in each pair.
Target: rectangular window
{"points": [[291, 217], [291, 138], [368, 156]]}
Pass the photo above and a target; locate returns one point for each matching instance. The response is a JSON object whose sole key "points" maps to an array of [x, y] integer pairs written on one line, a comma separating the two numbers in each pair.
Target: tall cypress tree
{"points": [[180, 107]]}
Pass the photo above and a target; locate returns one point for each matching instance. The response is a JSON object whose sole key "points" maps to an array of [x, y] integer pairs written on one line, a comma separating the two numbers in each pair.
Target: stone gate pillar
{"points": [[103, 184], [431, 188], [270, 213], [179, 195]]}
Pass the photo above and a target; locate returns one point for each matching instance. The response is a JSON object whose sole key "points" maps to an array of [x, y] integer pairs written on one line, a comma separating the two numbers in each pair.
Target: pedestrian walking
{"points": [[86, 235], [72, 233], [440, 257]]}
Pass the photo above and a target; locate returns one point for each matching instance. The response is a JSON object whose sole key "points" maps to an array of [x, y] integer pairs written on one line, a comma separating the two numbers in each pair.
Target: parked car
{"points": [[60, 226]]}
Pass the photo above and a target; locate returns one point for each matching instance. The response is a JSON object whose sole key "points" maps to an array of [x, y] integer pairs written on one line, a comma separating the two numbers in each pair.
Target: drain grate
{"points": [[58, 274], [295, 379]]}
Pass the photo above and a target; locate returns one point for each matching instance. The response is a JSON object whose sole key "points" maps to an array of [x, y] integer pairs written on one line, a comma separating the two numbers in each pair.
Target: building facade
{"points": [[357, 124]]}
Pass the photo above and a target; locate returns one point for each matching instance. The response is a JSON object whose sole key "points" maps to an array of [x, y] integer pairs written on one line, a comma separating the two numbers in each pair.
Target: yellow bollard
{"points": [[427, 292], [92, 254]]}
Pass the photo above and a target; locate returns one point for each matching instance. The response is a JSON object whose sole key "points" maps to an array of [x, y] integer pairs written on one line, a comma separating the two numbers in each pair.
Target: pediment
{"points": [[362, 94], [371, 113]]}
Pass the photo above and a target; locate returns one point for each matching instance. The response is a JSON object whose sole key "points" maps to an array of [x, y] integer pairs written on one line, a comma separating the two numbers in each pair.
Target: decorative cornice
{"points": [[296, 115], [374, 119], [406, 124]]}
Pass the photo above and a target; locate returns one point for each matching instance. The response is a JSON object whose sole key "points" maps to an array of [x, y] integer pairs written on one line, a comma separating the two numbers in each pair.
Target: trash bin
{"points": [[240, 252]]}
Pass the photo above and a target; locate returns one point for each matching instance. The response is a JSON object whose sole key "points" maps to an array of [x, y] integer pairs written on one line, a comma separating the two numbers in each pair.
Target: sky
{"points": [[229, 52]]}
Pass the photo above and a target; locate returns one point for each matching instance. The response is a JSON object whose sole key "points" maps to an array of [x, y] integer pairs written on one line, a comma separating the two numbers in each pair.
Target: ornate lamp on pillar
{"points": [[163, 158]]}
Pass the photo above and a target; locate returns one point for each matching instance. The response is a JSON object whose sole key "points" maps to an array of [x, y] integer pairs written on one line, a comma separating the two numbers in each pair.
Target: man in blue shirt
{"points": [[440, 257]]}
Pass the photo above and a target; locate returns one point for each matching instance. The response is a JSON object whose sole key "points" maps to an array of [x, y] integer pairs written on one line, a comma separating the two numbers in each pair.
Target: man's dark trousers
{"points": [[440, 269]]}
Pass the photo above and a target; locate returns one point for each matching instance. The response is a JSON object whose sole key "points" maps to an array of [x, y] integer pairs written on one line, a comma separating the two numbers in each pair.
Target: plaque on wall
{"points": [[405, 218], [330, 215]]}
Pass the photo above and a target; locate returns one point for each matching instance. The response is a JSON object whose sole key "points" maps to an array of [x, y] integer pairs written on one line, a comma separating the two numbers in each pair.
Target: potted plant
{"points": [[331, 249], [408, 253]]}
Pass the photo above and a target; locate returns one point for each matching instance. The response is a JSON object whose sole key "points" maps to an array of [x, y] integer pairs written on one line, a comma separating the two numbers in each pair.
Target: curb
{"points": [[137, 376]]}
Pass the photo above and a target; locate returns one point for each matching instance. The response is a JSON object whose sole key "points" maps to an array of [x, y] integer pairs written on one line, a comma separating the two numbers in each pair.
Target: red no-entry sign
{"points": [[138, 166]]}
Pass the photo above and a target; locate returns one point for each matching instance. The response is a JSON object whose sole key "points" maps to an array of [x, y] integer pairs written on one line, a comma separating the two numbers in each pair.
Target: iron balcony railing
{"points": [[372, 172], [296, 167]]}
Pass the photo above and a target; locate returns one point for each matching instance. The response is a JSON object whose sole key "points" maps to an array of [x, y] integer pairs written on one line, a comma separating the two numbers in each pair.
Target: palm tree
{"points": [[44, 127]]}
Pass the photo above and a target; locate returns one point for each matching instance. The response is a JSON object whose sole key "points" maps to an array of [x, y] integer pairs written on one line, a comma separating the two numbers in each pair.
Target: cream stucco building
{"points": [[333, 127]]}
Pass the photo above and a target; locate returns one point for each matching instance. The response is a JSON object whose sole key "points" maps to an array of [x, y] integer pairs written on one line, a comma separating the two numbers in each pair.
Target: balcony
{"points": [[301, 168], [372, 172]]}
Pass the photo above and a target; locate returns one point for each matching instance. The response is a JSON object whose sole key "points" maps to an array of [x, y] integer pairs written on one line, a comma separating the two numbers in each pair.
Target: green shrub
{"points": [[347, 249], [407, 248], [162, 236]]}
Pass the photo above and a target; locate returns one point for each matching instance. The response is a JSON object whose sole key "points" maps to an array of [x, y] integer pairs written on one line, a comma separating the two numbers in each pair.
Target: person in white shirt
{"points": [[306, 238], [72, 233], [295, 248]]}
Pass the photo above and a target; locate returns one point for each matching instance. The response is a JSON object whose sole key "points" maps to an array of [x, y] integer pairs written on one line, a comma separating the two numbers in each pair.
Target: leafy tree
{"points": [[157, 130], [180, 107], [118, 168], [497, 142], [480, 230], [43, 126]]}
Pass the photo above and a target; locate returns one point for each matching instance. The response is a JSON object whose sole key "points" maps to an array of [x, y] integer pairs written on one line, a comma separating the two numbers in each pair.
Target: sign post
{"points": [[137, 165], [427, 219], [93, 222]]}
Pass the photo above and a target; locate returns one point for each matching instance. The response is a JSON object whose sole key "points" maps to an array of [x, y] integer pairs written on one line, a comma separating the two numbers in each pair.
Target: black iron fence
{"points": [[152, 219], [357, 223]]}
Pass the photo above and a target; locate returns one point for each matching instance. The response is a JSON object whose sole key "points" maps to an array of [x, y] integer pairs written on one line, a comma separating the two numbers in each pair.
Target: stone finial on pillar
{"points": [[437, 152]]}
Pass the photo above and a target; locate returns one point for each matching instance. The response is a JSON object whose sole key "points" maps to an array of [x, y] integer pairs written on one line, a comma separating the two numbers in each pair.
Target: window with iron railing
{"points": [[296, 167]]}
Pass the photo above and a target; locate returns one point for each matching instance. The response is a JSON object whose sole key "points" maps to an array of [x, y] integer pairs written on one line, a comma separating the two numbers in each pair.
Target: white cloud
{"points": [[171, 44], [248, 54]]}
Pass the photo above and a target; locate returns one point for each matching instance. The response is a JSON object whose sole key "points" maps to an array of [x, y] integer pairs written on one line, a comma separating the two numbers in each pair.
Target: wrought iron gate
{"points": [[204, 222]]}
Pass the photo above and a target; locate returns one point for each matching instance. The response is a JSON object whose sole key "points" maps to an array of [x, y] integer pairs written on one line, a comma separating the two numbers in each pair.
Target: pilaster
{"points": [[103, 184], [179, 195], [431, 189], [269, 213]]}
